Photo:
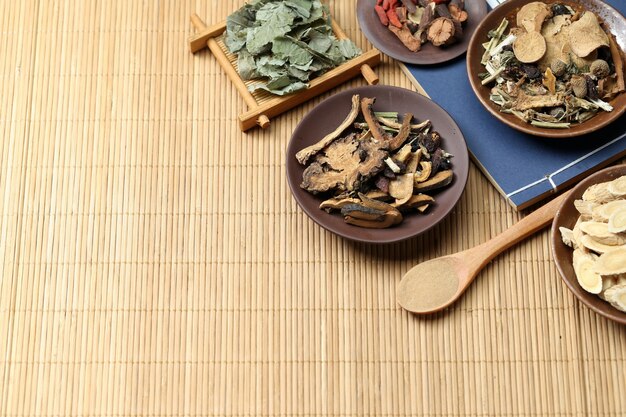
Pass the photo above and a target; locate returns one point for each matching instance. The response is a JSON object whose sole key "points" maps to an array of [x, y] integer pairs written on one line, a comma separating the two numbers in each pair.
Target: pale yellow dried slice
{"points": [[532, 15], [604, 211], [601, 233], [612, 262], [424, 173], [584, 207], [588, 279], [616, 295], [529, 47], [592, 244], [401, 188], [567, 236], [617, 187], [617, 221], [586, 35], [598, 193]]}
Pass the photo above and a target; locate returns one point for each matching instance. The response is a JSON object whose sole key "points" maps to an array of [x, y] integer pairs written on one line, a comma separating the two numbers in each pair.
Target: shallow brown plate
{"points": [[324, 118], [383, 39], [566, 216], [614, 22]]}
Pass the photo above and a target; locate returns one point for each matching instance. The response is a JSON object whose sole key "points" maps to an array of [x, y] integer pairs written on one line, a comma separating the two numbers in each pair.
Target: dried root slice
{"points": [[441, 31], [616, 295], [586, 35], [401, 188], [592, 244], [588, 279], [529, 47], [618, 187], [598, 193], [617, 222], [403, 154], [532, 16], [603, 212], [426, 170], [305, 154], [577, 234], [601, 233], [612, 262], [441, 179], [567, 236], [585, 207]]}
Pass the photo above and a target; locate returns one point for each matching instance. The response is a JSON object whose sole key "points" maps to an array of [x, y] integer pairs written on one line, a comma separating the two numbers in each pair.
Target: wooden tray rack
{"points": [[263, 105]]}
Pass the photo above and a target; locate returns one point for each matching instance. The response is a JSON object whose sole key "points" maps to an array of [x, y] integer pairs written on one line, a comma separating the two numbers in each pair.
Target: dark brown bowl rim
{"points": [[582, 129], [403, 231], [592, 301]]}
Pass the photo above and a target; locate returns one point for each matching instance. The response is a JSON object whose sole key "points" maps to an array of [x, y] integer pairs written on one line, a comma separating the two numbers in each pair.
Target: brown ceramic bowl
{"points": [[614, 23], [324, 118], [387, 42], [566, 216]]}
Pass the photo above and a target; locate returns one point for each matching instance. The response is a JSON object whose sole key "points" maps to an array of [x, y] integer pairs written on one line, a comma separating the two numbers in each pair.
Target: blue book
{"points": [[525, 169]]}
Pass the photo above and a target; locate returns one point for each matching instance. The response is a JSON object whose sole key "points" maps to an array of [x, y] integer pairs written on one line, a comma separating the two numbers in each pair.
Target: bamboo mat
{"points": [[153, 261]]}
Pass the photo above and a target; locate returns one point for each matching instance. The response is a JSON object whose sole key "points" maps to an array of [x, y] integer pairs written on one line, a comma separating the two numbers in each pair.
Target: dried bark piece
{"points": [[529, 47], [586, 35], [527, 102], [305, 154], [388, 142], [532, 15], [406, 37], [587, 277], [441, 32]]}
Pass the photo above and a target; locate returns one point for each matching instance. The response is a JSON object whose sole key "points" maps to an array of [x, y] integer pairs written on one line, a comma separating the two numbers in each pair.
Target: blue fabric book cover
{"points": [[524, 168]]}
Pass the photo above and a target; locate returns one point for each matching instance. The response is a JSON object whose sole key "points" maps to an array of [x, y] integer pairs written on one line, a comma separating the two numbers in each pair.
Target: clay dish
{"points": [[614, 22], [329, 114], [566, 216]]}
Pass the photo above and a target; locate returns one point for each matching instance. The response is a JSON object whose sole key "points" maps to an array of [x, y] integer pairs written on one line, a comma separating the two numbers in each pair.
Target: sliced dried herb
{"points": [[285, 43]]}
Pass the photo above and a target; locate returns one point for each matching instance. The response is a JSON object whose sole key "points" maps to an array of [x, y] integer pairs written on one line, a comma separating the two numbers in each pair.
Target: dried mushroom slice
{"points": [[424, 173], [612, 263], [603, 212], [617, 221], [337, 203], [587, 277], [616, 295], [601, 233], [305, 154], [617, 187], [439, 180]]}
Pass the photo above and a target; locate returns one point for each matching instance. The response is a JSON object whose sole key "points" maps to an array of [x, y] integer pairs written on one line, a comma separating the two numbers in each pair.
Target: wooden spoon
{"points": [[434, 285]]}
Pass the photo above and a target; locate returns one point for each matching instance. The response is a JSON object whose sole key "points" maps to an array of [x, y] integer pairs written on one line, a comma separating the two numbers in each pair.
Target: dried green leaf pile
{"points": [[285, 43], [374, 167], [555, 68]]}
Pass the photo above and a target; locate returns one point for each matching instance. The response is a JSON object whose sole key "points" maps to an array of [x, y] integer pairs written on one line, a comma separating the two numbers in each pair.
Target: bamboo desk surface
{"points": [[153, 261]]}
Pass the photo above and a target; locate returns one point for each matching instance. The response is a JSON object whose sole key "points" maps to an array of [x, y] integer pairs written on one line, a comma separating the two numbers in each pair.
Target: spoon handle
{"points": [[530, 224]]}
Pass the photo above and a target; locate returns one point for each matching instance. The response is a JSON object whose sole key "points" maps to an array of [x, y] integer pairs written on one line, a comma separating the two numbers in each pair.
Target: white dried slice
{"points": [[587, 277], [617, 187], [577, 234], [616, 295], [612, 262], [603, 212], [567, 236], [598, 193], [593, 245], [601, 233], [584, 207], [617, 221]]}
